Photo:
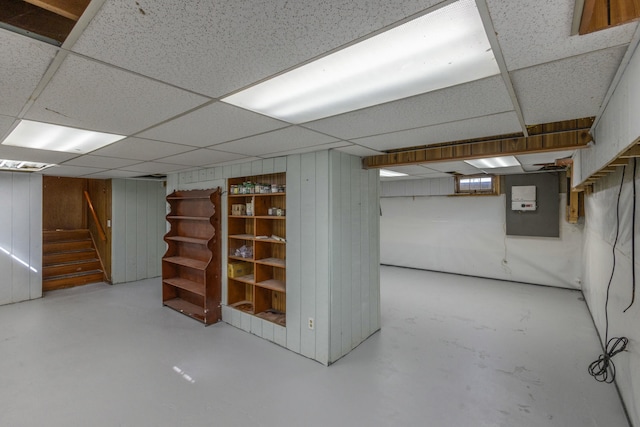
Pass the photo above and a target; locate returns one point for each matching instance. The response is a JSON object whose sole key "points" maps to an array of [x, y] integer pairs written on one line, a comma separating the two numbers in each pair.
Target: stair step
{"points": [[70, 267], [58, 235], [68, 256], [70, 280], [67, 245]]}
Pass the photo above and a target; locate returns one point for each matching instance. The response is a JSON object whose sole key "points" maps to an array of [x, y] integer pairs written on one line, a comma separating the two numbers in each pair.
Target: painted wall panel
{"points": [[322, 245], [294, 252], [142, 238], [308, 253], [20, 237]]}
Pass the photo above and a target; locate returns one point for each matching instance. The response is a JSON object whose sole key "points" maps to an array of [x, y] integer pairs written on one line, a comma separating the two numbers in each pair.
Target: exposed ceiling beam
{"points": [[71, 9], [559, 136]]}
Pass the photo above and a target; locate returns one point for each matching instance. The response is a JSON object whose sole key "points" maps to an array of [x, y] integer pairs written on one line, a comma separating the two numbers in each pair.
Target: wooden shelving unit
{"points": [[257, 237], [191, 267]]}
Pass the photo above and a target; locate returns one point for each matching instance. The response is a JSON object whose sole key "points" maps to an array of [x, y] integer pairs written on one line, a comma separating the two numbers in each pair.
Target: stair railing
{"points": [[101, 233]]}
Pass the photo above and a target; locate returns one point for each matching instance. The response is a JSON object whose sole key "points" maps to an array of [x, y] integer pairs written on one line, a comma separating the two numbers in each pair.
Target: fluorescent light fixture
{"points": [[494, 162], [441, 49], [22, 166], [387, 173], [45, 136]]}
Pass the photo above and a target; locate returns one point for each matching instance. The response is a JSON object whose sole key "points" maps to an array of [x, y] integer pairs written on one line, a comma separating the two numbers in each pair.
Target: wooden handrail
{"points": [[103, 236]]}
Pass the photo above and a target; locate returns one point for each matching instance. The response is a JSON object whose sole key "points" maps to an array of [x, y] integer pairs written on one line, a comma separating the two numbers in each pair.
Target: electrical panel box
{"points": [[523, 198]]}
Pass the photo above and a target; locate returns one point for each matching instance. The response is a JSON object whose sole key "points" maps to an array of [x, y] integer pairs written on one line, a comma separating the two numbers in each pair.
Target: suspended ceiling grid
{"points": [[155, 71]]}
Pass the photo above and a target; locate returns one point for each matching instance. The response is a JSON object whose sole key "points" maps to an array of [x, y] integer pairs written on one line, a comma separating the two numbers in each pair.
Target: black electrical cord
{"points": [[603, 369], [633, 241]]}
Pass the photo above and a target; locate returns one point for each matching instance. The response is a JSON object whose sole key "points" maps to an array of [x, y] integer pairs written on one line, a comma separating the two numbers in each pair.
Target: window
{"points": [[481, 184]]}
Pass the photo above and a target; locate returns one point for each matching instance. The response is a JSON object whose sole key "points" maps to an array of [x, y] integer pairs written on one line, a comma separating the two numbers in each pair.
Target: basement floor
{"points": [[453, 351]]}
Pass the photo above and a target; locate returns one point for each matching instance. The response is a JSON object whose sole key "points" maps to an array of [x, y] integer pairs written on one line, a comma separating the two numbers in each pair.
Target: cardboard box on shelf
{"points": [[238, 269], [238, 210]]}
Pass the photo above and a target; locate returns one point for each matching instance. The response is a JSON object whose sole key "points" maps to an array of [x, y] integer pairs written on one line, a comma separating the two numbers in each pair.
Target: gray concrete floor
{"points": [[453, 351]]}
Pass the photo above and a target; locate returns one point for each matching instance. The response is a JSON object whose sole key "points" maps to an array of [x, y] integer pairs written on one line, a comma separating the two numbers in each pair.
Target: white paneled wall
{"points": [[20, 237], [354, 250], [332, 251], [418, 187], [138, 227]]}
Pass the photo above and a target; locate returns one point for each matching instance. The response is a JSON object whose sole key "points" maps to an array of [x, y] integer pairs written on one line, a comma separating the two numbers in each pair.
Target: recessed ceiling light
{"points": [[387, 173], [22, 166], [494, 162], [441, 49], [45, 136]]}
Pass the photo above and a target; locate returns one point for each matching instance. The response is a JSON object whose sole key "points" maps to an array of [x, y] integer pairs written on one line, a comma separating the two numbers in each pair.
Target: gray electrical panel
{"points": [[544, 221]]}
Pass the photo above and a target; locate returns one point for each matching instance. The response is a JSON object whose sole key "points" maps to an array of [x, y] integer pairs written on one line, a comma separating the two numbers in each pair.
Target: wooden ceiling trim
{"points": [[71, 9], [601, 14], [566, 135]]}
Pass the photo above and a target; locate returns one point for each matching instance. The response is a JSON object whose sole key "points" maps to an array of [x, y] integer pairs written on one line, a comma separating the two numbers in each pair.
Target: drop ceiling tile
{"points": [[228, 45], [320, 147], [91, 95], [200, 157], [212, 124], [291, 138], [5, 125], [154, 167], [73, 171], [24, 62], [457, 166], [539, 158], [566, 89], [505, 171], [93, 161], [497, 124], [141, 149], [43, 156], [234, 162], [409, 169], [115, 173], [475, 99], [360, 151], [532, 33], [435, 175]]}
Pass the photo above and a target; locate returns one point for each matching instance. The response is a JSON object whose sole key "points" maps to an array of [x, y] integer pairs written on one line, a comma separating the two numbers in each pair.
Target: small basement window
{"points": [[484, 184]]}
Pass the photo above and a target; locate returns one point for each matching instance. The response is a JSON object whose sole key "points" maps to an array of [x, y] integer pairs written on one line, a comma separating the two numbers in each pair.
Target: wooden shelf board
{"points": [[239, 258], [249, 278], [242, 236], [274, 262], [271, 217], [188, 239], [244, 306], [187, 262], [269, 241], [187, 285], [257, 194], [187, 197], [185, 307], [274, 317], [190, 218], [273, 284], [241, 216]]}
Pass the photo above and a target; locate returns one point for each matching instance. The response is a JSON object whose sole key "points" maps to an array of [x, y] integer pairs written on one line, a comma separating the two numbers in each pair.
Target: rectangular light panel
{"points": [[387, 173], [441, 49], [22, 166], [494, 162], [45, 136]]}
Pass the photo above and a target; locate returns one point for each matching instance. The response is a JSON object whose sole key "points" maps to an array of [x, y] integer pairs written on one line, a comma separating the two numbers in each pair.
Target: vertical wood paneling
{"points": [[365, 270], [267, 166], [35, 236], [118, 231], [280, 164], [335, 184], [131, 224], [374, 251], [142, 199], [20, 236], [152, 233], [322, 295], [308, 251], [294, 254], [256, 167], [346, 249], [356, 281], [6, 227]]}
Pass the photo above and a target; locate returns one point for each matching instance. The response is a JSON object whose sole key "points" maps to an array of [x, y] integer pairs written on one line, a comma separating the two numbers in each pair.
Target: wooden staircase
{"points": [[69, 258]]}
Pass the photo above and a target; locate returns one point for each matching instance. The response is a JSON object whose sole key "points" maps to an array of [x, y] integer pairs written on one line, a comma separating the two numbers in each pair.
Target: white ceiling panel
{"points": [[154, 167], [24, 62], [113, 174], [434, 175], [410, 169], [498, 124], [90, 95], [201, 157], [329, 146], [536, 32], [291, 138], [358, 150], [539, 158], [71, 171], [100, 162], [217, 47], [213, 124], [566, 89], [457, 166], [10, 152], [479, 98], [5, 124], [141, 149], [234, 162], [512, 170]]}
